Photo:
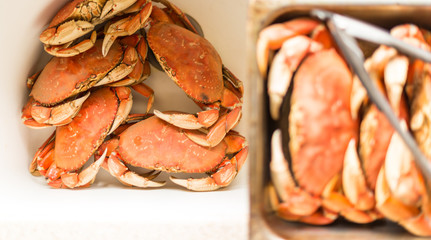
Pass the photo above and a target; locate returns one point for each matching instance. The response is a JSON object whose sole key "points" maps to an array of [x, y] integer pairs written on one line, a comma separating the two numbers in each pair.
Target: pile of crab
{"points": [[334, 153], [99, 50]]}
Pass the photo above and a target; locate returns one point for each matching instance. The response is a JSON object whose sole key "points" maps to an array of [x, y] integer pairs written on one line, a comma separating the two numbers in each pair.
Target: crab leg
{"points": [[66, 32], [147, 92], [233, 84], [395, 79], [294, 200], [134, 67], [272, 37], [410, 217], [37, 116], [123, 69], [421, 110], [126, 26], [216, 132], [338, 203], [85, 177], [43, 163], [141, 70], [400, 190], [321, 217], [357, 204], [217, 126], [225, 172], [138, 75], [115, 166], [119, 170], [112, 7], [190, 121], [43, 157], [403, 179], [285, 63], [124, 96], [354, 183], [27, 118], [32, 79], [66, 50]]}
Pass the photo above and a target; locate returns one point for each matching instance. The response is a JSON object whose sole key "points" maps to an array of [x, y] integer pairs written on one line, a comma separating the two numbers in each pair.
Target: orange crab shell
{"points": [[64, 77], [190, 60], [77, 141], [155, 144], [320, 123]]}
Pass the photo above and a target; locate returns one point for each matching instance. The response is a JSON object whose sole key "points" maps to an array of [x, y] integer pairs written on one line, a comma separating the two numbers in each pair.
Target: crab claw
{"points": [[66, 32], [126, 26], [87, 176], [271, 38], [201, 184], [189, 121], [37, 116], [225, 172], [117, 169], [112, 7], [217, 131], [354, 182], [66, 50], [285, 63]]}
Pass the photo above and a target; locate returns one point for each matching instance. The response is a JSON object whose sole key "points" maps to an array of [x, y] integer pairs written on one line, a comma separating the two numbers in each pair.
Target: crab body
{"points": [[155, 145]]}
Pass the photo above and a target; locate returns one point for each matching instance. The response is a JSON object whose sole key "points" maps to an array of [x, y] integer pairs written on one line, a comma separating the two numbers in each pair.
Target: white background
{"points": [[29, 209]]}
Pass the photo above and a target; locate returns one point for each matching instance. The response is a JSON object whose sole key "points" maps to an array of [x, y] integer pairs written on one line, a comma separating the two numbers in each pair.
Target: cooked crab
{"points": [[57, 93], [155, 144]]}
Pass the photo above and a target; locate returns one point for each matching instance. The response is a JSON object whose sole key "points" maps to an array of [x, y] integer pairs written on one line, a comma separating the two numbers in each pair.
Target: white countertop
{"points": [[29, 209]]}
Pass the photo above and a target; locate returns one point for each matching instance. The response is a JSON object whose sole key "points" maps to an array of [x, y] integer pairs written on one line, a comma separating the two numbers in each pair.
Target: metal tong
{"points": [[344, 30]]}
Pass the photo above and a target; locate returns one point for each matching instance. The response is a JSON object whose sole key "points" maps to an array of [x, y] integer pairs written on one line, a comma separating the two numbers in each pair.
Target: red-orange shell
{"points": [[190, 60], [77, 141], [321, 125], [64, 77], [155, 144]]}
